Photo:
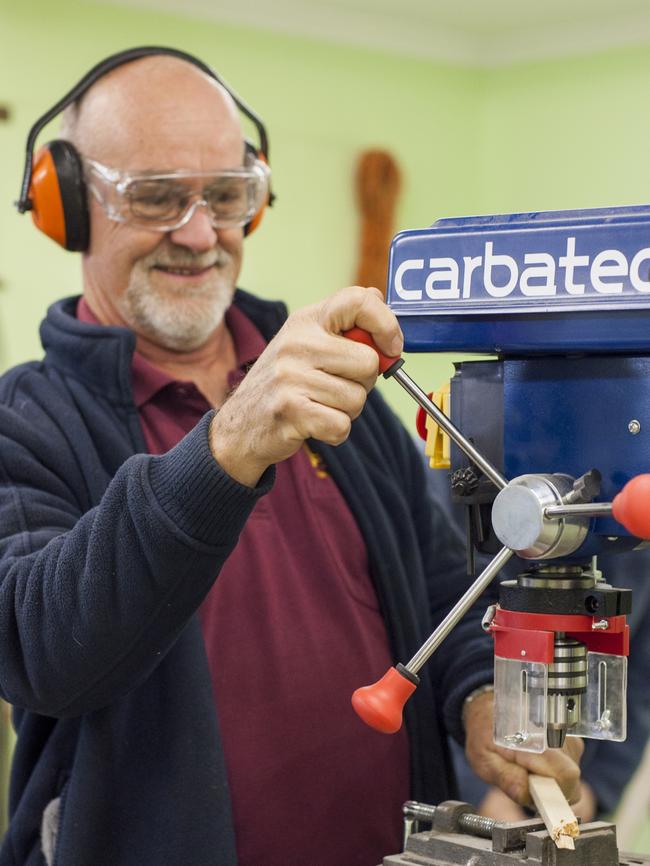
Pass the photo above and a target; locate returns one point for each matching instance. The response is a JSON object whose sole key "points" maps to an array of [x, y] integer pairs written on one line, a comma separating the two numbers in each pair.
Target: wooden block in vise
{"points": [[552, 805]]}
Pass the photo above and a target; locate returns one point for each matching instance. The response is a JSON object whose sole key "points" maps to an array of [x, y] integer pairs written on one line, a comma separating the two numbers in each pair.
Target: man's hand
{"points": [[509, 769], [309, 382], [496, 805]]}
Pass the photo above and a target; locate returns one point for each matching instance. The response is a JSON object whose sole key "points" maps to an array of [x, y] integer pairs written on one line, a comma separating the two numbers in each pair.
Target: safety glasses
{"points": [[165, 201]]}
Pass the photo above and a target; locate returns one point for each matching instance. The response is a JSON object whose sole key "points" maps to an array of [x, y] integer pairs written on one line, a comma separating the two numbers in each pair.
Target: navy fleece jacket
{"points": [[105, 555]]}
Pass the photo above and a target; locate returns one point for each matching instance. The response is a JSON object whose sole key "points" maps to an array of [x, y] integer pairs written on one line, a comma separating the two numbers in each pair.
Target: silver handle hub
{"points": [[521, 521]]}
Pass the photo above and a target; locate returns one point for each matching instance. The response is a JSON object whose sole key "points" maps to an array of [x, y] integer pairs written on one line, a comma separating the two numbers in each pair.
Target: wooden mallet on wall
{"points": [[377, 183]]}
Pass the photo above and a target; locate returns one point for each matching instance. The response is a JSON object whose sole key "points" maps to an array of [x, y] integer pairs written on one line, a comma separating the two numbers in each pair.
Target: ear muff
{"points": [[58, 195], [53, 184], [257, 156]]}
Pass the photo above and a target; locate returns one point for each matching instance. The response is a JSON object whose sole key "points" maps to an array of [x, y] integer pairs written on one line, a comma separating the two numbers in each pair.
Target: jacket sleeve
{"points": [[464, 661], [89, 602]]}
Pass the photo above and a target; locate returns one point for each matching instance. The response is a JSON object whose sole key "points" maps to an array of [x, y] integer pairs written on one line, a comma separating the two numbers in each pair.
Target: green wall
{"points": [[565, 134]]}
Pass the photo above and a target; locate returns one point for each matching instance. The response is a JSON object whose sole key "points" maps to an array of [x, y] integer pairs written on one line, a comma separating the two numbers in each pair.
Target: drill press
{"points": [[550, 440]]}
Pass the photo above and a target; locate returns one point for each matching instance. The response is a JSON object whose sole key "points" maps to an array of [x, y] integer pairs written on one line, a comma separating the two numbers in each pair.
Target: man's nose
{"points": [[197, 234]]}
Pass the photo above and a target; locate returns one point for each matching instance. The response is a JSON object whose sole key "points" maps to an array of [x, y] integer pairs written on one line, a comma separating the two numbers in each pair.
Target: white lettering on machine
{"points": [[541, 277]]}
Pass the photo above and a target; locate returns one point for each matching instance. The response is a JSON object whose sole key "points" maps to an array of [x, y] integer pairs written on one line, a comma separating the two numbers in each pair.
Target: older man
{"points": [[148, 733]]}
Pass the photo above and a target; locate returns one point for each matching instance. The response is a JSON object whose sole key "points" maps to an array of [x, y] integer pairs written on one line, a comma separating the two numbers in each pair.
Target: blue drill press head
{"points": [[562, 299]]}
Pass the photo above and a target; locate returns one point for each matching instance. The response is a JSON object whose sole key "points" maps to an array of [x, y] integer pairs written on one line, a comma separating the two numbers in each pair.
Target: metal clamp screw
{"points": [[516, 739], [634, 427], [488, 616], [601, 625]]}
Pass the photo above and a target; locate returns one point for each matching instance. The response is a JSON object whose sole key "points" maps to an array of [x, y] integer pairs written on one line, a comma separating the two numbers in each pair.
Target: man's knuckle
{"points": [[368, 365], [286, 405], [340, 429], [358, 401], [283, 371]]}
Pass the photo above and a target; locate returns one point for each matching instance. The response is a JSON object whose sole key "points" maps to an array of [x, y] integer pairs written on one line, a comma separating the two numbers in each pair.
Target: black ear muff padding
{"points": [[70, 174]]}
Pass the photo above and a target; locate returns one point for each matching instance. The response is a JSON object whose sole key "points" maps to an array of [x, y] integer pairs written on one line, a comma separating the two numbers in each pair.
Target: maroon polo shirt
{"points": [[291, 627]]}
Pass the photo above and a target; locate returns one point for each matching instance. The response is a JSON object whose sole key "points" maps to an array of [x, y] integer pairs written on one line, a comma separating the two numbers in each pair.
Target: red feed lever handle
{"points": [[361, 336], [381, 704], [631, 507]]}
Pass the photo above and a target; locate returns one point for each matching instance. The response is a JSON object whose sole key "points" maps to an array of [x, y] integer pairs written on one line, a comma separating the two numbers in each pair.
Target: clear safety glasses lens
{"points": [[167, 201]]}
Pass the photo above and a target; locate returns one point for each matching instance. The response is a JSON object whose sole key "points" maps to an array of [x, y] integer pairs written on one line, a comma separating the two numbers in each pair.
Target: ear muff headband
{"points": [[53, 187]]}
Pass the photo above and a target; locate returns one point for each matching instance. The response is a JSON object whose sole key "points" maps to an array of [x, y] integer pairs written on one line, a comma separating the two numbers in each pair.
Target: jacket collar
{"points": [[101, 356]]}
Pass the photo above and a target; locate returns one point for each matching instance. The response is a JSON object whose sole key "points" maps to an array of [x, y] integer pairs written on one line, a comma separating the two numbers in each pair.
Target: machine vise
{"points": [[458, 837]]}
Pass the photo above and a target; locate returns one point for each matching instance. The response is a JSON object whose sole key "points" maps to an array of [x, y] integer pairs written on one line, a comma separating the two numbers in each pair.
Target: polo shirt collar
{"points": [[148, 380]]}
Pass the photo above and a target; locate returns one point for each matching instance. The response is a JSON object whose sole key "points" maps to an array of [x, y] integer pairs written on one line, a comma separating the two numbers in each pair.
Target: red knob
{"points": [[381, 704], [631, 507], [421, 420], [361, 336]]}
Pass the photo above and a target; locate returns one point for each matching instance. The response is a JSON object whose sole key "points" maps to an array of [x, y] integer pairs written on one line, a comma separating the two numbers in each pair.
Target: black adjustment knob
{"points": [[585, 489], [464, 481]]}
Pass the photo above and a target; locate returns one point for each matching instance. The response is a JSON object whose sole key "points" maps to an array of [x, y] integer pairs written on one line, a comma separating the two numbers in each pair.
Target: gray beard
{"points": [[181, 320]]}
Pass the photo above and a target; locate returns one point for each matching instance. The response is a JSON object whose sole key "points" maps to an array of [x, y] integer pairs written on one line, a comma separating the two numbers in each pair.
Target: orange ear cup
{"points": [[257, 219], [58, 195], [250, 227], [45, 194]]}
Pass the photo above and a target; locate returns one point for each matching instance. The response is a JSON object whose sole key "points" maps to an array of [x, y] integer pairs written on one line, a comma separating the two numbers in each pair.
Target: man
{"points": [[146, 733]]}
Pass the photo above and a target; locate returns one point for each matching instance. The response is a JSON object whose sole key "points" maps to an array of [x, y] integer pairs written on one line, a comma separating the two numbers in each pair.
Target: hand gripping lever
{"points": [[381, 704], [392, 367]]}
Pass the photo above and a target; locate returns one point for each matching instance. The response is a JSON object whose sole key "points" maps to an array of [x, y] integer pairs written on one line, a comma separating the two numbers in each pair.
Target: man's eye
{"points": [[156, 197], [224, 195]]}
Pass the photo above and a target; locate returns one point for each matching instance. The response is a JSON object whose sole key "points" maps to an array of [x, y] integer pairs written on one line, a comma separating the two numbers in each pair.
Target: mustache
{"points": [[184, 258]]}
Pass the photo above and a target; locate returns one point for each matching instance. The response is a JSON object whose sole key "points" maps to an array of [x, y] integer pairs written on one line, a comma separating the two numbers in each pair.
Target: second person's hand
{"points": [[509, 769]]}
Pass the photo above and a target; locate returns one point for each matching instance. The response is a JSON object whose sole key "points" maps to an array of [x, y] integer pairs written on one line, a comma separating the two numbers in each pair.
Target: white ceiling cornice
{"points": [[478, 33]]}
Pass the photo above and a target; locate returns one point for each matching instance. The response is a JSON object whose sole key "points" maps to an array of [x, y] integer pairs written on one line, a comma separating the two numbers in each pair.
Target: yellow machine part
{"points": [[437, 446]]}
